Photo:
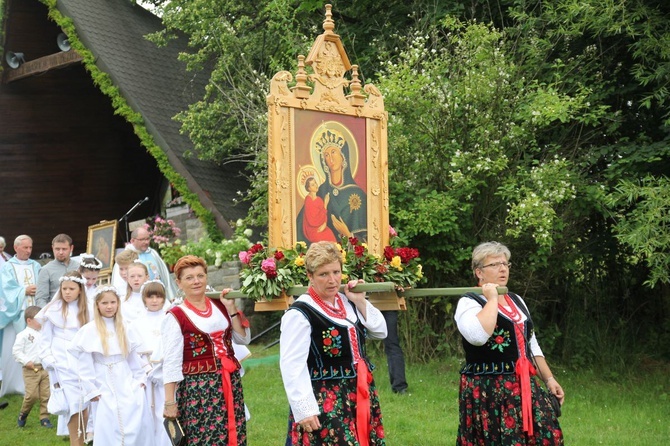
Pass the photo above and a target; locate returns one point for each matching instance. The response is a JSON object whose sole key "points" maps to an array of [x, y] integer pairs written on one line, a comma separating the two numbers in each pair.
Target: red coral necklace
{"points": [[330, 310], [512, 313], [206, 313]]}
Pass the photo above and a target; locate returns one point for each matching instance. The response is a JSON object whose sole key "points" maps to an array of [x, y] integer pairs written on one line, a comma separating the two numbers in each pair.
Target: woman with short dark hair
{"points": [[203, 388]]}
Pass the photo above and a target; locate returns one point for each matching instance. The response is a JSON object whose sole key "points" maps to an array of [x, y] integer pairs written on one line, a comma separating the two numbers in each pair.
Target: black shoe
{"points": [[22, 419], [400, 392], [4, 404], [45, 422]]}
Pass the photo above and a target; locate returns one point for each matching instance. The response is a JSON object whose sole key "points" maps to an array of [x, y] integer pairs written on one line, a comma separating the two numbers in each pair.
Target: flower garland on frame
{"points": [[269, 272]]}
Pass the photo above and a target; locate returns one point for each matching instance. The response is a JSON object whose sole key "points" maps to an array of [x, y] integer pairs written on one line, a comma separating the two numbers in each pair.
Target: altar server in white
{"points": [[140, 239], [148, 329]]}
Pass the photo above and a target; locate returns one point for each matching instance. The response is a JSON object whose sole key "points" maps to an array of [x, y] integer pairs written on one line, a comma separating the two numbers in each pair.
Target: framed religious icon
{"points": [[327, 151], [101, 242]]}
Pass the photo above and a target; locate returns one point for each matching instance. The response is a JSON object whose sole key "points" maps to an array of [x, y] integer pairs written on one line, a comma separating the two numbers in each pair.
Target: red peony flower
{"points": [[335, 351], [389, 253], [407, 254], [327, 341], [509, 422], [256, 248], [359, 250], [279, 255], [353, 241], [334, 332]]}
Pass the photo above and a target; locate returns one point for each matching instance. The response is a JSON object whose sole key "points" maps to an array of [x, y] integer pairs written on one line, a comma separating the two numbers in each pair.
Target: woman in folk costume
{"points": [[148, 329], [326, 374], [61, 319], [500, 401], [203, 388], [112, 373]]}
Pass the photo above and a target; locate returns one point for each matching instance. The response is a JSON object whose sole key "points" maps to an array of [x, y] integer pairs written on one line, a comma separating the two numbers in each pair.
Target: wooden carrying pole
{"points": [[378, 287]]}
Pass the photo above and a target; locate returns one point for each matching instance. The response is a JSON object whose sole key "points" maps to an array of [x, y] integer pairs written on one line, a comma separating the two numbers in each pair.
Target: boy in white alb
{"points": [[36, 380]]}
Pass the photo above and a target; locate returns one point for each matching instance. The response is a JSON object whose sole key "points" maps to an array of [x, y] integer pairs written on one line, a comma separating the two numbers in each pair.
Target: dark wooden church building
{"points": [[86, 123]]}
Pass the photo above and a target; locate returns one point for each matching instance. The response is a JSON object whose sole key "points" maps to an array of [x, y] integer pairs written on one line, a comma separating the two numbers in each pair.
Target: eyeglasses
{"points": [[497, 265]]}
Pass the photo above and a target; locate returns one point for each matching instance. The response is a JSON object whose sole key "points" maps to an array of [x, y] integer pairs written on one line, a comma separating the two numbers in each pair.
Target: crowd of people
{"points": [[115, 361]]}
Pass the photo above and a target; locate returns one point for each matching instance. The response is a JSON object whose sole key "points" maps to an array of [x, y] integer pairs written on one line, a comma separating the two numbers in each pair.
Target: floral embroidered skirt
{"points": [[490, 413], [337, 404], [202, 409]]}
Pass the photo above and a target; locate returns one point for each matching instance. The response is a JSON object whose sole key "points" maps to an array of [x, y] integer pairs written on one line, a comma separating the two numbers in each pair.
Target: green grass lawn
{"points": [[598, 411]]}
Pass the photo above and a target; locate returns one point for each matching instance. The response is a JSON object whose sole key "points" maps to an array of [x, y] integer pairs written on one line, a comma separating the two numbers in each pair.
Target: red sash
{"points": [[227, 367]]}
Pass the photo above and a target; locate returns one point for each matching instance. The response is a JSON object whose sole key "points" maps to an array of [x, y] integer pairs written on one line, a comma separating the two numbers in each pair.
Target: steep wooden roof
{"points": [[156, 85]]}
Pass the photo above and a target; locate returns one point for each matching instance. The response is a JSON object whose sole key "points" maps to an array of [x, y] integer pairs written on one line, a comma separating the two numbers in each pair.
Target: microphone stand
{"points": [[130, 211]]}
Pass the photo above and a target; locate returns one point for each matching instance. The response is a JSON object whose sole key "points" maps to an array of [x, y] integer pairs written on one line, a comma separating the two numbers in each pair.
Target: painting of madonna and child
{"points": [[331, 181]]}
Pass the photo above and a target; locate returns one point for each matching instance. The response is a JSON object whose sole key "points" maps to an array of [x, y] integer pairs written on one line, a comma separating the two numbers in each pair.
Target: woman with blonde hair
{"points": [[327, 375]]}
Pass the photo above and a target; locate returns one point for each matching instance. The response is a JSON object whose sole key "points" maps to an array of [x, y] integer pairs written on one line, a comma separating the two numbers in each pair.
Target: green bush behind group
{"points": [[540, 124]]}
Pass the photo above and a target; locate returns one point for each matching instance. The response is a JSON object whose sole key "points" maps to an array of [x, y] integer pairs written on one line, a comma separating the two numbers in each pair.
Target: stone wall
{"points": [[191, 227], [225, 276]]}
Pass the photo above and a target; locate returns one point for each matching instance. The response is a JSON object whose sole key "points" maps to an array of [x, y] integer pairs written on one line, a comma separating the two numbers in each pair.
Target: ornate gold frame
{"points": [[323, 91], [105, 230]]}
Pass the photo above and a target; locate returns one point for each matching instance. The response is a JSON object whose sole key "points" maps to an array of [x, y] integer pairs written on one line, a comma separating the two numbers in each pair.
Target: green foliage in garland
{"points": [[103, 81]]}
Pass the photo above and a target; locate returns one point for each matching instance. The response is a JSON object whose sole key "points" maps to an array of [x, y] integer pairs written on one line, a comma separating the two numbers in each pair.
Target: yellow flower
{"points": [[396, 262], [345, 278], [419, 271], [302, 245], [364, 245], [299, 261]]}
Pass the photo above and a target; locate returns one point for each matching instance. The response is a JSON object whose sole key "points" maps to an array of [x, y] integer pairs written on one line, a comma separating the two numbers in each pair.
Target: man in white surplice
{"points": [[18, 279]]}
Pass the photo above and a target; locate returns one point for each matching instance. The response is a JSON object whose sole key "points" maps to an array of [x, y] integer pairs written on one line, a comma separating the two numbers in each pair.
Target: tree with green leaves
{"points": [[543, 124]]}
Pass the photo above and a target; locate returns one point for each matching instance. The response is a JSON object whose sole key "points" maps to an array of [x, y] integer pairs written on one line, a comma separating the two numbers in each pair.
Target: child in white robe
{"points": [[61, 319], [111, 372], [89, 268], [123, 261], [133, 306], [149, 330]]}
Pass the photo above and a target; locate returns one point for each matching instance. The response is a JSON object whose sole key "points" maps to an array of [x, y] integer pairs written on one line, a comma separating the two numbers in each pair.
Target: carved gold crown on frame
{"points": [[327, 90]]}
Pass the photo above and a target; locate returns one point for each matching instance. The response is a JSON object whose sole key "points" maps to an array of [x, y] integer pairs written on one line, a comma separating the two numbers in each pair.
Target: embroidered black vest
{"points": [[330, 354], [499, 354]]}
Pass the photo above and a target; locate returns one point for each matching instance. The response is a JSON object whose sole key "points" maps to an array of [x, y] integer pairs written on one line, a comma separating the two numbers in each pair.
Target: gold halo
{"points": [[306, 172], [348, 137]]}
